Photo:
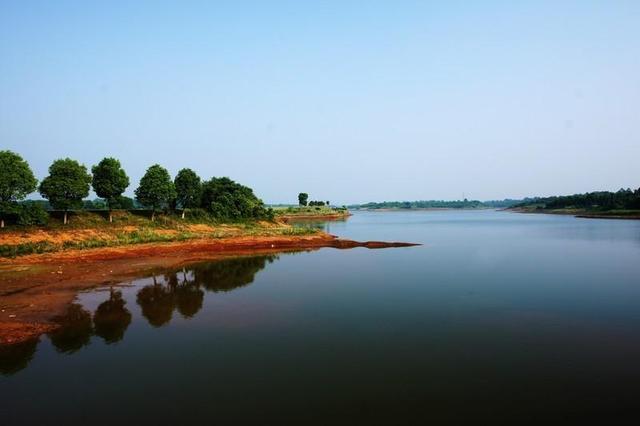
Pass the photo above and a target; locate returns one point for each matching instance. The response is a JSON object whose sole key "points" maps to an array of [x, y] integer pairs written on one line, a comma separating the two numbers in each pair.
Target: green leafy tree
{"points": [[226, 199], [67, 184], [109, 182], [16, 182], [188, 189], [156, 189], [302, 198]]}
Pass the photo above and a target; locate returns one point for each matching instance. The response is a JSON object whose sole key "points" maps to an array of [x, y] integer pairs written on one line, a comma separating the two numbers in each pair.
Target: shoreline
{"points": [[35, 288], [577, 214]]}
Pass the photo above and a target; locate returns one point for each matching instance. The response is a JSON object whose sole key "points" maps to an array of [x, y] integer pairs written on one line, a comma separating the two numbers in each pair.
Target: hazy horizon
{"points": [[355, 102]]}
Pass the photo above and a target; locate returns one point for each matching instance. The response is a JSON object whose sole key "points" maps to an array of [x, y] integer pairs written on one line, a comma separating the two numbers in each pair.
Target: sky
{"points": [[350, 101]]}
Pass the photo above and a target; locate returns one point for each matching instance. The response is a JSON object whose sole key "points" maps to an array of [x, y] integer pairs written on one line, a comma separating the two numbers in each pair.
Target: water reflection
{"points": [[14, 358], [75, 329], [157, 303], [182, 291], [112, 318], [179, 291], [230, 274]]}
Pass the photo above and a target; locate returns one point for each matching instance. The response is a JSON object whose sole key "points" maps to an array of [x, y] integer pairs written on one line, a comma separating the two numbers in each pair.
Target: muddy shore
{"points": [[36, 288]]}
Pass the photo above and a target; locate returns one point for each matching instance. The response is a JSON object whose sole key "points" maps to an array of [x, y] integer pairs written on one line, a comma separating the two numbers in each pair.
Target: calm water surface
{"points": [[501, 316]]}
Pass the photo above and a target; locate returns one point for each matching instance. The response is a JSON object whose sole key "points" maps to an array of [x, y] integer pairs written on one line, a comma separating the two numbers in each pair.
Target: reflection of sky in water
{"points": [[532, 309]]}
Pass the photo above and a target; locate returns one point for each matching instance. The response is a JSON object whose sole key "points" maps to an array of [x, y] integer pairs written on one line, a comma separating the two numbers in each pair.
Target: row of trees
{"points": [[601, 200], [423, 204], [303, 200], [69, 182]]}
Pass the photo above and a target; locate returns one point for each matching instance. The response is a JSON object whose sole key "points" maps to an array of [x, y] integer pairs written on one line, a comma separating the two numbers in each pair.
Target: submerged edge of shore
{"points": [[35, 288]]}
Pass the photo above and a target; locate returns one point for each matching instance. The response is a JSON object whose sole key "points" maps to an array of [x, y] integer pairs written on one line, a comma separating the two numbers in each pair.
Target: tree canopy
{"points": [[16, 182], [67, 184], [226, 199], [16, 178], [302, 198], [156, 189], [109, 180], [188, 189]]}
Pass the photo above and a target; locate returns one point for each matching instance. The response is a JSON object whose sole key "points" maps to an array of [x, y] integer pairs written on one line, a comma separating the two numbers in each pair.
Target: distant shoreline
{"points": [[582, 214], [394, 209]]}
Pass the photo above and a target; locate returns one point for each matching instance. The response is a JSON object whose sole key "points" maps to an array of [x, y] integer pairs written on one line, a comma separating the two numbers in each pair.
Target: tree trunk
{"points": [[110, 216], [1, 223], [65, 218], [183, 213], [153, 215]]}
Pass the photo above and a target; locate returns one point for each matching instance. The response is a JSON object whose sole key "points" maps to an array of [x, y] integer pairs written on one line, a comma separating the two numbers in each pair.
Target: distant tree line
{"points": [[438, 204], [303, 198], [624, 199], [68, 183], [424, 204]]}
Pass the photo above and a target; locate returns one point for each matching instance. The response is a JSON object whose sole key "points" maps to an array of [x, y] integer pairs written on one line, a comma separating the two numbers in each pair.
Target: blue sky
{"points": [[351, 101]]}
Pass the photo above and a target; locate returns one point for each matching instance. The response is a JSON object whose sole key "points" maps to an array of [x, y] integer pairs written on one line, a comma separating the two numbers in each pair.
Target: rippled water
{"points": [[501, 316]]}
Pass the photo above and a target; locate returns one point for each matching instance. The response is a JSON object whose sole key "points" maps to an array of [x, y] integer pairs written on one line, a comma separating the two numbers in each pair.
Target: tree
{"points": [[226, 199], [156, 189], [302, 198], [16, 182], [327, 203], [109, 182], [188, 189], [67, 184]]}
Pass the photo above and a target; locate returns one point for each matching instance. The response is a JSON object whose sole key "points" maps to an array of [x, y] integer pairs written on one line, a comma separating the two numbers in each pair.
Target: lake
{"points": [[497, 316]]}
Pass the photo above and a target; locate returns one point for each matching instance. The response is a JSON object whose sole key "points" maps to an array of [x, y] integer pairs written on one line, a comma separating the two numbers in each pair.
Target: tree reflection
{"points": [[157, 303], [16, 357], [182, 291], [112, 318], [75, 329], [229, 274], [189, 296]]}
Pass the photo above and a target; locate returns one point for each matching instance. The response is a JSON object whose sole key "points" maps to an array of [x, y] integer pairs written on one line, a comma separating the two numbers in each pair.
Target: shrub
{"points": [[32, 214]]}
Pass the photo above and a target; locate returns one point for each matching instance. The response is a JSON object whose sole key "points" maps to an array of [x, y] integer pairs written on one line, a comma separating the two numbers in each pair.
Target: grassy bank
{"points": [[90, 230]]}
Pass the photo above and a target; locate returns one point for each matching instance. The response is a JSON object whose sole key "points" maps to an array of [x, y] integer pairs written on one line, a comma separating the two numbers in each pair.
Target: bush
{"points": [[198, 215], [32, 214], [226, 199]]}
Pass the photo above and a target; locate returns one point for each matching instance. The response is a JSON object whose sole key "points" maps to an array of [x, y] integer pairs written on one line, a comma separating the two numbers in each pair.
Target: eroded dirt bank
{"points": [[36, 288]]}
